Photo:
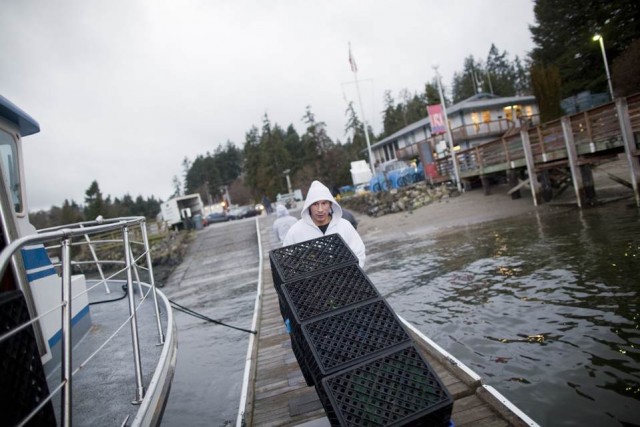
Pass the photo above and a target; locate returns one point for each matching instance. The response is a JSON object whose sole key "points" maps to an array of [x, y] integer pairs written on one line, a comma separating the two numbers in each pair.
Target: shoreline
{"points": [[446, 215], [474, 207]]}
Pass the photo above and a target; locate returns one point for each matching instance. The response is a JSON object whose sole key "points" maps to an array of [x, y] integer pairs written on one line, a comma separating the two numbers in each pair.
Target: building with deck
{"points": [[474, 121], [545, 157]]}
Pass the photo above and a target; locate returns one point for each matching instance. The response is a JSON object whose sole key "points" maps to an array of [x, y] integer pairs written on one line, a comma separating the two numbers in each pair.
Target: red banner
{"points": [[437, 119]]}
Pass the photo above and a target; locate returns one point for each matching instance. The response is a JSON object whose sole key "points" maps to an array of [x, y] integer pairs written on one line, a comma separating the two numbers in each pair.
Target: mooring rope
{"points": [[208, 319]]}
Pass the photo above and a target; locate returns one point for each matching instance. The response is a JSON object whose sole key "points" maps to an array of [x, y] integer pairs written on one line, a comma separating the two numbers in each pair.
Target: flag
{"points": [[437, 119], [352, 61]]}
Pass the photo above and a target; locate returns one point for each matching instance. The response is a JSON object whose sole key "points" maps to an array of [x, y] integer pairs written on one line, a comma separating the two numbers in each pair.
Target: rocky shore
{"points": [[399, 200]]}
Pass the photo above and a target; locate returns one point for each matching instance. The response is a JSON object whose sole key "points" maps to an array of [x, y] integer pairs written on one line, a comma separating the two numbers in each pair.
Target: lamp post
{"points": [[598, 38], [454, 159], [286, 173]]}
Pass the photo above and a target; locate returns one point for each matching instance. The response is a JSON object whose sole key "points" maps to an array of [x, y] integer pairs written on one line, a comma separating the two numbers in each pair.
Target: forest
{"points": [[565, 61]]}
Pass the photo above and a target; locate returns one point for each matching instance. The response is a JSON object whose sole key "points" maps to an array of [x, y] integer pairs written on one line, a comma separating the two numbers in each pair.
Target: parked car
{"points": [[216, 217], [243, 212]]}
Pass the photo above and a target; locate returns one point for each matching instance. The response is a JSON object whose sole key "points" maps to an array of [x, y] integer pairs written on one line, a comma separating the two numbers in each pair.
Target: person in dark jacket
{"points": [[349, 217]]}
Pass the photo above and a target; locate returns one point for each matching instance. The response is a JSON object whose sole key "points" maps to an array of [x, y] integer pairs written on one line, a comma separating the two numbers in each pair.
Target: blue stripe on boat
{"points": [[58, 335], [40, 274], [35, 257]]}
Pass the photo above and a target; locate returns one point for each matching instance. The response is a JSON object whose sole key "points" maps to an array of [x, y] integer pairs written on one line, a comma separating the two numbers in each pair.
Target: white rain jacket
{"points": [[305, 229], [283, 223]]}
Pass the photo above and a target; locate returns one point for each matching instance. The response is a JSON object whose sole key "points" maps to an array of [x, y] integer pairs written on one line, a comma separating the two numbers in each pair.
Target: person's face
{"points": [[320, 211]]}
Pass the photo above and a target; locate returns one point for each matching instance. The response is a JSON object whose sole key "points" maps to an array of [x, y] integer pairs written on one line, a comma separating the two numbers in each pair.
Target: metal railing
{"points": [[128, 236]]}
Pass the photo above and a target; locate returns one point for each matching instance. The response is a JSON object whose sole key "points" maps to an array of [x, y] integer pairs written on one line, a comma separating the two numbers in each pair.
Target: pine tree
{"points": [[564, 32], [94, 202], [546, 87]]}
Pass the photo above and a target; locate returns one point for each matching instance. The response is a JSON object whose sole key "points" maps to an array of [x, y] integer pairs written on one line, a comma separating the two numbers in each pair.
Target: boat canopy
{"points": [[25, 123]]}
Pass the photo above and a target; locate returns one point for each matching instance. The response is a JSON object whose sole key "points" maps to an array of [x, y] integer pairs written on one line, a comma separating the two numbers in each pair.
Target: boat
{"points": [[86, 337]]}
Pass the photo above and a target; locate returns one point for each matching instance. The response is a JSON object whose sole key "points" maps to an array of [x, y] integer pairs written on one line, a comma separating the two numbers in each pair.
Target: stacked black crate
{"points": [[350, 344], [295, 262]]}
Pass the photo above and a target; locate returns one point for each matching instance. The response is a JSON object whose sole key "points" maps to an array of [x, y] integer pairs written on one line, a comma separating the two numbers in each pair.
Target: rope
{"points": [[208, 319], [182, 309], [124, 288]]}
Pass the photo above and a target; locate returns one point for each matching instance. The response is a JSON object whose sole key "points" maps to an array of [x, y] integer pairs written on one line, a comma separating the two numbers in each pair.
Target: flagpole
{"points": [[449, 136], [354, 68]]}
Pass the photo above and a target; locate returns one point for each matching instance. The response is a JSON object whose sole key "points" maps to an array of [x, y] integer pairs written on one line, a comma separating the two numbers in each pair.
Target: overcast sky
{"points": [[124, 90]]}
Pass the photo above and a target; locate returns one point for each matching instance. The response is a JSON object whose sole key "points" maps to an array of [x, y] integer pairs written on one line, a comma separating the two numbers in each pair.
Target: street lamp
{"points": [[286, 173], [598, 38]]}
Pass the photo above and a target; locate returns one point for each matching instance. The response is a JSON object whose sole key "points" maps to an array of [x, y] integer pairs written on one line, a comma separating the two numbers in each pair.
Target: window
{"points": [[9, 154], [513, 112], [486, 116]]}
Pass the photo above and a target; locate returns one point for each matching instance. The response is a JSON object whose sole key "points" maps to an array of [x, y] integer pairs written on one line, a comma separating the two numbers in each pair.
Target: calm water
{"points": [[545, 309], [217, 279]]}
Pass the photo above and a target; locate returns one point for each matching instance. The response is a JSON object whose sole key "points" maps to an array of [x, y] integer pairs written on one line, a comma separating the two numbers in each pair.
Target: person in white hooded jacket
{"points": [[322, 215], [283, 223]]}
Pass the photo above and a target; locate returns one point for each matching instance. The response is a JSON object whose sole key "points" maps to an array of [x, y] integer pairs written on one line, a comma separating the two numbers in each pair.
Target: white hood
{"points": [[318, 191], [305, 229]]}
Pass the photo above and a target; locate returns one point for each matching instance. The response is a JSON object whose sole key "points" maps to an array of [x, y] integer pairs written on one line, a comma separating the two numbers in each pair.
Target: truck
{"points": [[182, 211]]}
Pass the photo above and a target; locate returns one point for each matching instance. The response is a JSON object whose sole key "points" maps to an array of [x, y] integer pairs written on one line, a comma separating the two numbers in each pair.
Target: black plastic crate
{"points": [[324, 292], [398, 388], [295, 261], [347, 337], [297, 352], [23, 384]]}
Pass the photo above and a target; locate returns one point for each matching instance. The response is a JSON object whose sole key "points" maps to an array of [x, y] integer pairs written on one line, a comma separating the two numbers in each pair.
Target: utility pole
{"points": [[354, 68], [454, 160]]}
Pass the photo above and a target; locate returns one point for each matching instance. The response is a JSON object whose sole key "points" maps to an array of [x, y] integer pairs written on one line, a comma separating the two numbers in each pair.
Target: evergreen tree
{"points": [[70, 213], [390, 120], [563, 35], [251, 157], [355, 128], [465, 83], [431, 94], [316, 142], [499, 74], [294, 147], [416, 108], [186, 165], [522, 82], [626, 71], [273, 160], [546, 88], [176, 184], [94, 202]]}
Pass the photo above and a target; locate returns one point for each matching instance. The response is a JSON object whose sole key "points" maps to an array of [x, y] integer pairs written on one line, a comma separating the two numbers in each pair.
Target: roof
{"points": [[25, 123], [481, 100]]}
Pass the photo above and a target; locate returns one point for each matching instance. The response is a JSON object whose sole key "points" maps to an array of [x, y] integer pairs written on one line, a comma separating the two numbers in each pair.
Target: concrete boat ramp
{"points": [[273, 389]]}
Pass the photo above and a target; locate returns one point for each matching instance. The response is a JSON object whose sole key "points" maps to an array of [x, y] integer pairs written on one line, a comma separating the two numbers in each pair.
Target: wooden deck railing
{"points": [[595, 131]]}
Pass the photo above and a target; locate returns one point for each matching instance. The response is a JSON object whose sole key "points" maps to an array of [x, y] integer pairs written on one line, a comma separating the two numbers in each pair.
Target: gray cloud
{"points": [[124, 90]]}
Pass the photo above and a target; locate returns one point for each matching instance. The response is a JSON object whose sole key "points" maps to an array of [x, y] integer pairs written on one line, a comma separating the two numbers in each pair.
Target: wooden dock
{"points": [[277, 394], [557, 153]]}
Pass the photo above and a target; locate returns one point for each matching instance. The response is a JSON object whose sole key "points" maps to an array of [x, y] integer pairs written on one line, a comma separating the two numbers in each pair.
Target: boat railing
{"points": [[124, 243]]}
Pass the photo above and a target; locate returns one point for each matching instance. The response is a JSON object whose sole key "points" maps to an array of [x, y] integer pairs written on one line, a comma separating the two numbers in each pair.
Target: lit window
{"points": [[528, 111]]}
